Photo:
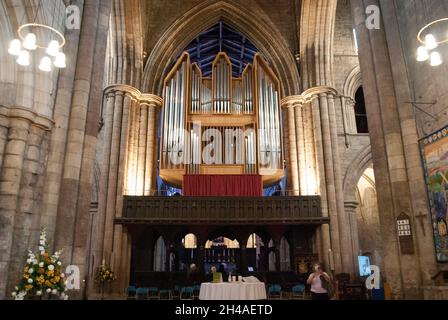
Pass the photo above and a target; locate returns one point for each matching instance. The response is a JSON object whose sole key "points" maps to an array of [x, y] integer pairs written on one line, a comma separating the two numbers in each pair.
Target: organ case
{"points": [[221, 124]]}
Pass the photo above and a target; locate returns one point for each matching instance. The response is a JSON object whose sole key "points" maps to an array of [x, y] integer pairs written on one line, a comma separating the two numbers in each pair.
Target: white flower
{"points": [[59, 263], [62, 275], [21, 296], [14, 294], [65, 297], [31, 271], [41, 265], [39, 293], [41, 248], [51, 267], [30, 281], [55, 291], [16, 288], [48, 290]]}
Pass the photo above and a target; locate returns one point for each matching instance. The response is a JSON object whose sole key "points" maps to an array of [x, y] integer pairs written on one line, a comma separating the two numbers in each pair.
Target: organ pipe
{"points": [[249, 117]]}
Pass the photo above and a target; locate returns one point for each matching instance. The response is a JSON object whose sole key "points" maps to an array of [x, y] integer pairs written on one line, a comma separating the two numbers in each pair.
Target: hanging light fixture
{"points": [[436, 59], [431, 42], [53, 48], [24, 58], [428, 43], [30, 42], [15, 47], [27, 41], [60, 61], [422, 54], [45, 64]]}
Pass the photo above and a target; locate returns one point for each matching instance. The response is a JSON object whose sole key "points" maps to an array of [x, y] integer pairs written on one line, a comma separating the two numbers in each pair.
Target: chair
{"points": [[142, 293], [131, 293], [196, 291], [153, 293], [274, 292], [186, 293], [298, 292], [175, 293], [165, 295]]}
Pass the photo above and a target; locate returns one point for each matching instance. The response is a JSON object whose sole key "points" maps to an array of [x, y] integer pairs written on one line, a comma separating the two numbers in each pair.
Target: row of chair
{"points": [[153, 293], [274, 292]]}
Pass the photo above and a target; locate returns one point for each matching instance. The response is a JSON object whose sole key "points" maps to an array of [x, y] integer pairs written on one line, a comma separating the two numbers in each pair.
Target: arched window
{"points": [[160, 255], [360, 112]]}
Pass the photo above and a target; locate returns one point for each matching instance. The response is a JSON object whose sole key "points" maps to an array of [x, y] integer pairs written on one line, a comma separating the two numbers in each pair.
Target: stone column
{"points": [[351, 207], [324, 231], [128, 168], [293, 170], [301, 154], [10, 180], [329, 181], [27, 217], [343, 221], [394, 139]]}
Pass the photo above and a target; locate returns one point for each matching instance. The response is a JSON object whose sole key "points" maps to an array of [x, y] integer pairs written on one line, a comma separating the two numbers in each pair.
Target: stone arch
{"points": [[353, 82], [355, 172], [261, 32]]}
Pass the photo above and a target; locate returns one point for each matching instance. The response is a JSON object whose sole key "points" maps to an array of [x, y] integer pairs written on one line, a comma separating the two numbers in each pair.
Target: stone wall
{"points": [[428, 82], [282, 14]]}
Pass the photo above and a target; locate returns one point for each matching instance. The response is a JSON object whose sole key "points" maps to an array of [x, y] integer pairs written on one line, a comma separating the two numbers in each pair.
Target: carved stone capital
{"points": [[135, 94], [35, 119]]}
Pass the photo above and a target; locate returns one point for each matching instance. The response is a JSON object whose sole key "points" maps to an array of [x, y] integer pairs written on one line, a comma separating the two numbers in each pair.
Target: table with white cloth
{"points": [[233, 291]]}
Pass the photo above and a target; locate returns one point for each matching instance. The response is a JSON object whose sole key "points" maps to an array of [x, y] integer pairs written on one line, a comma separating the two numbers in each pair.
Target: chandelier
{"points": [[28, 42], [429, 43]]}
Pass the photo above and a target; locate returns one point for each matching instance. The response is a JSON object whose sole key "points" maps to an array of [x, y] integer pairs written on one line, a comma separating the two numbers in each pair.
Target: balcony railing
{"points": [[222, 210]]}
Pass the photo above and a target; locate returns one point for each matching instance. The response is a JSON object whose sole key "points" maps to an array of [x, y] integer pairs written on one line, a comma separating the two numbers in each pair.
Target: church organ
{"points": [[221, 124]]}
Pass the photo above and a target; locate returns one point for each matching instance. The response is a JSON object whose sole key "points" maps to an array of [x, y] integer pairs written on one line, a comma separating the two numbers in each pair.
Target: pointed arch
{"points": [[261, 32], [353, 82], [355, 172]]}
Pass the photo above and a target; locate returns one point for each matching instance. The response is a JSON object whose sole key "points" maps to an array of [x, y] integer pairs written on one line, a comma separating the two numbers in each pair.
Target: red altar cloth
{"points": [[223, 185]]}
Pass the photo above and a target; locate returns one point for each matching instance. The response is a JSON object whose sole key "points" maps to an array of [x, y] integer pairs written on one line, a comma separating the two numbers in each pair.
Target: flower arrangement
{"points": [[104, 274], [42, 274]]}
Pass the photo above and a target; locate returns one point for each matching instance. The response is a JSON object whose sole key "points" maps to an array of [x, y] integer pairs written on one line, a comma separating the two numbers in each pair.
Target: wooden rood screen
{"points": [[222, 210]]}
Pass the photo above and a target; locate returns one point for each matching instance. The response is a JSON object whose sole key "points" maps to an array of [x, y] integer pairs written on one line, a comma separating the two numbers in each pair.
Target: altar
{"points": [[233, 291]]}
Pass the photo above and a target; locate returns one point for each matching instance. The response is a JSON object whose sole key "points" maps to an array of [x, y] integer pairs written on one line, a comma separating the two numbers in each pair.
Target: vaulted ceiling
{"points": [[221, 38]]}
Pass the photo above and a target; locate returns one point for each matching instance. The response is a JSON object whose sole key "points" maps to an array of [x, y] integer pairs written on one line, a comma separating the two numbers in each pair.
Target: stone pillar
{"points": [[10, 179], [343, 221], [128, 168], [27, 217], [293, 170], [301, 154], [394, 139], [329, 182], [324, 240], [351, 207]]}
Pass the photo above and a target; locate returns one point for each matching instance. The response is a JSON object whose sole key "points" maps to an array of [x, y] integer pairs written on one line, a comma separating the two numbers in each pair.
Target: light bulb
{"points": [[45, 64], [53, 48], [430, 42], [59, 62], [30, 42], [24, 58], [436, 59], [15, 47], [422, 54]]}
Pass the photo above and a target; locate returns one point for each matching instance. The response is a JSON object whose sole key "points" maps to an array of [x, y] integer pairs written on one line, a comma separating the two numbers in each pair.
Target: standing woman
{"points": [[318, 292]]}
